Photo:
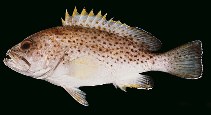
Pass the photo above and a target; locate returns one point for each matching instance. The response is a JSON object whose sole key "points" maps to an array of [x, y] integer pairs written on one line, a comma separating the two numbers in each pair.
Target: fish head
{"points": [[34, 56]]}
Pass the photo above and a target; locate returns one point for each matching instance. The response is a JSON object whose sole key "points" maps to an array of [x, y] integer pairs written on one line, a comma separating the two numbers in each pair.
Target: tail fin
{"points": [[186, 60]]}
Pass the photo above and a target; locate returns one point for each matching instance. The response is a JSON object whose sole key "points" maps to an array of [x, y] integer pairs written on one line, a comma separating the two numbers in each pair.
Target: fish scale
{"points": [[85, 40], [89, 50]]}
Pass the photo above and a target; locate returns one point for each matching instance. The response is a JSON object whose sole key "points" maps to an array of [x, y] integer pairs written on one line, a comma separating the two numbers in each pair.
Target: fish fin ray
{"points": [[139, 82], [146, 40], [78, 95], [186, 60]]}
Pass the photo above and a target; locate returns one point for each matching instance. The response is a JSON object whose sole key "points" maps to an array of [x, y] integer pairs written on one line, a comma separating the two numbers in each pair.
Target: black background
{"points": [[174, 23]]}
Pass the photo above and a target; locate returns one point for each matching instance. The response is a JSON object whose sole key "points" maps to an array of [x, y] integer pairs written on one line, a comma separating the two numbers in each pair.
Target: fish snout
{"points": [[16, 62]]}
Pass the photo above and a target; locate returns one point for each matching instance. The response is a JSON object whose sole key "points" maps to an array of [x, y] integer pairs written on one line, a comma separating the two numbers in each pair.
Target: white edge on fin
{"points": [[139, 82], [78, 95]]}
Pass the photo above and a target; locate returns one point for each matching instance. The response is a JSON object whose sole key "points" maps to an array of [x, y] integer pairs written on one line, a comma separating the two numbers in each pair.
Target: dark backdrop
{"points": [[174, 23]]}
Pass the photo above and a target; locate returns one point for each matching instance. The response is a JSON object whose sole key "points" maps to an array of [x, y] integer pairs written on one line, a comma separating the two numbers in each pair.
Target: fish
{"points": [[89, 50]]}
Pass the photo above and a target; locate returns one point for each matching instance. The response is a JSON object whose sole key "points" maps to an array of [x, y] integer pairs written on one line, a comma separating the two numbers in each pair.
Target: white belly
{"points": [[86, 71]]}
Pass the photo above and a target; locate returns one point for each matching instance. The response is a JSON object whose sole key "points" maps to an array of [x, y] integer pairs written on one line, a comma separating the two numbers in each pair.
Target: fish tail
{"points": [[184, 61]]}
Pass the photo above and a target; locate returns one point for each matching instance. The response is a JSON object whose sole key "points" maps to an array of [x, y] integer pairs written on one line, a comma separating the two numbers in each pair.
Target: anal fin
{"points": [[139, 82], [78, 95]]}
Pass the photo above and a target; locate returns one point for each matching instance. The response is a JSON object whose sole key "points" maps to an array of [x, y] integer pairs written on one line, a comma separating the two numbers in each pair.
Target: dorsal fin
{"points": [[98, 21]]}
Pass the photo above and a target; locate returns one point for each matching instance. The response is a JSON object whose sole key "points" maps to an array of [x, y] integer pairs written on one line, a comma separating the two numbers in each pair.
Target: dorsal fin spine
{"points": [[75, 12], [68, 17], [83, 12], [103, 19], [91, 13], [74, 15], [83, 17], [117, 24], [97, 18], [89, 18], [63, 22], [99, 14], [116, 27]]}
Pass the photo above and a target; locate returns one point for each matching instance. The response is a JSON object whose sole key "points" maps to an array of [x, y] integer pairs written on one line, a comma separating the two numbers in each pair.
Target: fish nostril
{"points": [[8, 57]]}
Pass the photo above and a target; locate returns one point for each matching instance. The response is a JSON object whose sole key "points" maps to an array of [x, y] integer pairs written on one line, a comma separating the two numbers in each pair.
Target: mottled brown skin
{"points": [[74, 40]]}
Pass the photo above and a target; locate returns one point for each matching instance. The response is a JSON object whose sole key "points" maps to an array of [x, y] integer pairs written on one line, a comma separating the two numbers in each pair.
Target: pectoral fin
{"points": [[84, 67], [78, 95]]}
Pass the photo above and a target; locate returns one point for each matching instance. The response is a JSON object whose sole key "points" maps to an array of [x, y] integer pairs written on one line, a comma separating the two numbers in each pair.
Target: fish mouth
{"points": [[7, 57], [21, 65], [16, 62]]}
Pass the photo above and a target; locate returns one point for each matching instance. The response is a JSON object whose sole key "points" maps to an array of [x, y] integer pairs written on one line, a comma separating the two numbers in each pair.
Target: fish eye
{"points": [[26, 45]]}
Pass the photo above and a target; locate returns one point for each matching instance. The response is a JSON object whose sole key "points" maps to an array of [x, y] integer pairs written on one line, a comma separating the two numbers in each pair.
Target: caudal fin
{"points": [[186, 60]]}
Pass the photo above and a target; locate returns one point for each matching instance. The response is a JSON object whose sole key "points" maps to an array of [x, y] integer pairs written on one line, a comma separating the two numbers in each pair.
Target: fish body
{"points": [[88, 50]]}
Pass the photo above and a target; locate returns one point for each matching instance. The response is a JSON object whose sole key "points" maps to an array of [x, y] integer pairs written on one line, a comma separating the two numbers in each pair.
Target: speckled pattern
{"points": [[88, 50], [78, 40]]}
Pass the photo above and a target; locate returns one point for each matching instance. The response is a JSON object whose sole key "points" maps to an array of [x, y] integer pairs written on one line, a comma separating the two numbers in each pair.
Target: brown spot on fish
{"points": [[57, 31]]}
